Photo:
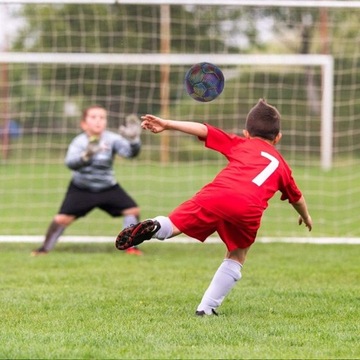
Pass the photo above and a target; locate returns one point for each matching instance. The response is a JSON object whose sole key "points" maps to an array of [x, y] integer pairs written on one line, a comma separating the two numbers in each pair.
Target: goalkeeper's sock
{"points": [[130, 220], [53, 233], [166, 228], [226, 276]]}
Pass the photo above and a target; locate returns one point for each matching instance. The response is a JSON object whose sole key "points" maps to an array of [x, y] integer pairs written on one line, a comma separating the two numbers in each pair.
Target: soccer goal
{"points": [[324, 62], [58, 57]]}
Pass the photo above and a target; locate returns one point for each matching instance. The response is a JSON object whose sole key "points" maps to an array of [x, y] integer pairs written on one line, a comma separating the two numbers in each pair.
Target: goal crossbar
{"points": [[279, 3], [326, 62]]}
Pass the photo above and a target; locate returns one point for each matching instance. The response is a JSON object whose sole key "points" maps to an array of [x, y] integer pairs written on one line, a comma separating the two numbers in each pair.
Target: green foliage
{"points": [[96, 28], [44, 106], [115, 28], [91, 301]]}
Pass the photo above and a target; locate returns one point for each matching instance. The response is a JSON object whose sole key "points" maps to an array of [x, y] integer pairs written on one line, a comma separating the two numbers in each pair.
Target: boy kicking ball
{"points": [[233, 203]]}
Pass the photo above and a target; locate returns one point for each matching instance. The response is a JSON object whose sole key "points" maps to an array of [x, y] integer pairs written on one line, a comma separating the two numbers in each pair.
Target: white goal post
{"points": [[324, 61]]}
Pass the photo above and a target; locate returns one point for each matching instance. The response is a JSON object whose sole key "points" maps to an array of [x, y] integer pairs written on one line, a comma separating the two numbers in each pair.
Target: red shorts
{"points": [[198, 223]]}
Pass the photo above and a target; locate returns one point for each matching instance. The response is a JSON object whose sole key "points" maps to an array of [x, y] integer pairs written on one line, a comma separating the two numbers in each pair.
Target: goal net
{"points": [[58, 58]]}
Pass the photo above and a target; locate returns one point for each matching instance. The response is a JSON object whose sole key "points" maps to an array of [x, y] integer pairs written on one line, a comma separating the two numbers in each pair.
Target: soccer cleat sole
{"points": [[136, 234]]}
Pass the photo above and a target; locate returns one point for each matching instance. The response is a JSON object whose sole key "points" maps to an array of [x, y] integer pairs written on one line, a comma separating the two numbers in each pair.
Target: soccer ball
{"points": [[204, 82]]}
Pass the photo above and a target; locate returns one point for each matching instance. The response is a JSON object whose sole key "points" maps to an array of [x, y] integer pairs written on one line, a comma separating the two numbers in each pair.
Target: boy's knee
{"points": [[63, 220]]}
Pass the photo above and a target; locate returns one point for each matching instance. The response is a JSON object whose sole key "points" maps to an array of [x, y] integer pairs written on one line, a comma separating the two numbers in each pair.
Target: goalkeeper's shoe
{"points": [[39, 252], [203, 313], [134, 251], [136, 234]]}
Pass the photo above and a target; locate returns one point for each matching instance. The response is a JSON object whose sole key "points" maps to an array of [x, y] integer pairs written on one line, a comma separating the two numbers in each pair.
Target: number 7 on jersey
{"points": [[268, 170]]}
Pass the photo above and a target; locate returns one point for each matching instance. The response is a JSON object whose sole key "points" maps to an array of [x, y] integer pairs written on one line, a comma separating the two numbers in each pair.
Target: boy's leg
{"points": [[228, 273], [129, 220], [167, 228], [226, 276], [53, 233], [55, 230], [78, 203], [160, 228]]}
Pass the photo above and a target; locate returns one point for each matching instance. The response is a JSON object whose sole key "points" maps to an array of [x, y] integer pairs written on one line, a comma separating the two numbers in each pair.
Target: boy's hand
{"points": [[132, 128], [307, 221], [153, 123], [91, 149]]}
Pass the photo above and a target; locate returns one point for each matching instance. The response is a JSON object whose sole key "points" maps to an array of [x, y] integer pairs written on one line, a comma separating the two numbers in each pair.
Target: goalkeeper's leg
{"points": [[55, 230]]}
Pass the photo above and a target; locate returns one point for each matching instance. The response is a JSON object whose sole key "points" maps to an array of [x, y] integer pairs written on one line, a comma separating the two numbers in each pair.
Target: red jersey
{"points": [[255, 172]]}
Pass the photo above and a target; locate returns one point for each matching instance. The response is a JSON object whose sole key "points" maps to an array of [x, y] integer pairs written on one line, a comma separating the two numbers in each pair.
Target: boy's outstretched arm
{"points": [[156, 125], [301, 207]]}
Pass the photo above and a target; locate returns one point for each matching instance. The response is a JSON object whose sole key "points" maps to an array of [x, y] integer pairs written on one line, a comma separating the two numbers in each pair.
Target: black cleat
{"points": [[202, 313], [136, 234]]}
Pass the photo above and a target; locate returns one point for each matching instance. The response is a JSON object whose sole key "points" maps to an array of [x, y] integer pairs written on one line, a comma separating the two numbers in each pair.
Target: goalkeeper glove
{"points": [[91, 149], [132, 128]]}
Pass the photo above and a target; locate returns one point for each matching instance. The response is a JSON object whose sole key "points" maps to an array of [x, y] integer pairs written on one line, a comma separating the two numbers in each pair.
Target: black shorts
{"points": [[78, 202]]}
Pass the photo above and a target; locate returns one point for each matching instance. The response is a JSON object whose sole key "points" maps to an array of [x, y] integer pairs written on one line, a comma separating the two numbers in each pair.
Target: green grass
{"points": [[91, 301], [31, 194]]}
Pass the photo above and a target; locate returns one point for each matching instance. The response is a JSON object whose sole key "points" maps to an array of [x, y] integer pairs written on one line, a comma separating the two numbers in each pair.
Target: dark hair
{"points": [[85, 111], [263, 120]]}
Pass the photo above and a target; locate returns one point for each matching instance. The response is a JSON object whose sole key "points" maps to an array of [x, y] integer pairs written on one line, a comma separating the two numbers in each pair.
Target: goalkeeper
{"points": [[233, 203], [90, 156]]}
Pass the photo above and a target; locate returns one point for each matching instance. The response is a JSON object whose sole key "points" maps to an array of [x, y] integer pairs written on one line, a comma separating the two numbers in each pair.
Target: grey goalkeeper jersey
{"points": [[97, 174]]}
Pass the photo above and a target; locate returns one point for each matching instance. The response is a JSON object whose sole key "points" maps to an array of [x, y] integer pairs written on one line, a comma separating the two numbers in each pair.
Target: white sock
{"points": [[226, 276], [166, 229], [130, 220]]}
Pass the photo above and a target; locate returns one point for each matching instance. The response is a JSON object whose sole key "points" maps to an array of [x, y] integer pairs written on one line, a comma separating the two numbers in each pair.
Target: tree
{"points": [[113, 29]]}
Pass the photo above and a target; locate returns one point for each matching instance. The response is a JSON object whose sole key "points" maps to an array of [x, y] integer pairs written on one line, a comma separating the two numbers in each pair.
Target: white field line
{"points": [[181, 239]]}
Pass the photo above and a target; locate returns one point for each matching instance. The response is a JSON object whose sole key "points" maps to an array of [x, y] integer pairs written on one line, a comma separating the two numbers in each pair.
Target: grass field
{"points": [[31, 194], [91, 301]]}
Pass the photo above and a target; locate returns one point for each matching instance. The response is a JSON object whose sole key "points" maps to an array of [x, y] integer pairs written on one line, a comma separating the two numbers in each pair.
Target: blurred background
{"points": [[57, 58]]}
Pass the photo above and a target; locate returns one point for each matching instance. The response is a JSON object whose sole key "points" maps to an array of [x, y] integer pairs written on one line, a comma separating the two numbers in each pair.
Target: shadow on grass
{"points": [[61, 248], [85, 248]]}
